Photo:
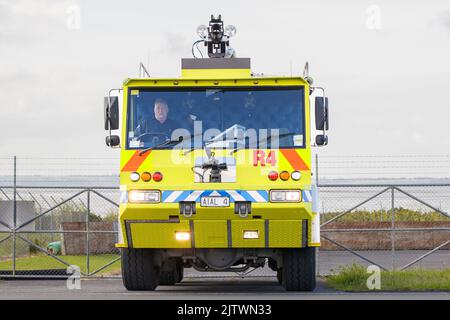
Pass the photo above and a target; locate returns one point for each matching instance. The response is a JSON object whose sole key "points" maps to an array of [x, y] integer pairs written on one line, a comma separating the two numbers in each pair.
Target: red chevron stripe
{"points": [[135, 161], [294, 159]]}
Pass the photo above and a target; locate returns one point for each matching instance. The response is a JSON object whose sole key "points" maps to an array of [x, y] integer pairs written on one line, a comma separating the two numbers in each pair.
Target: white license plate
{"points": [[215, 201]]}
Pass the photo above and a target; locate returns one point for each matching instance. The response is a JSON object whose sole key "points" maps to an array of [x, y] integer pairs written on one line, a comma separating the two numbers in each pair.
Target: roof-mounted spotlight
{"points": [[230, 31], [202, 31], [216, 37]]}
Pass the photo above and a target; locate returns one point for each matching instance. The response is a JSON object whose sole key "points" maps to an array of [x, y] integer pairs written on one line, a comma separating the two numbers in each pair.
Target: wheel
{"points": [[299, 269], [139, 272], [272, 264], [169, 273], [280, 276], [180, 270]]}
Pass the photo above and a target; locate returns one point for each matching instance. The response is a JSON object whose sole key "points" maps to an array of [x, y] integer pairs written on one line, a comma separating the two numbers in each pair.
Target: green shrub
{"points": [[400, 214]]}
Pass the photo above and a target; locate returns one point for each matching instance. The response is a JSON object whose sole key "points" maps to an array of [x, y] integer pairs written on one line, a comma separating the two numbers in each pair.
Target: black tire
{"points": [[169, 273], [139, 272], [180, 270], [280, 276], [299, 269], [272, 264]]}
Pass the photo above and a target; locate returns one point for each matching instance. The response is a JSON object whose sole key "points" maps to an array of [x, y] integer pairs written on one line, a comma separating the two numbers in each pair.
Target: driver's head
{"points": [[161, 110]]}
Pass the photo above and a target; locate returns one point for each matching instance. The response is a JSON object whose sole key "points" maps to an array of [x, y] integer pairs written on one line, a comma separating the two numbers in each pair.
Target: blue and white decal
{"points": [[234, 195], [306, 196]]}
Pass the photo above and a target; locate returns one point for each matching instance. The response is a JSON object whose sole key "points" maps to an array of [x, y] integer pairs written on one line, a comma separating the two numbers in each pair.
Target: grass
{"points": [[401, 214], [354, 278], [42, 261]]}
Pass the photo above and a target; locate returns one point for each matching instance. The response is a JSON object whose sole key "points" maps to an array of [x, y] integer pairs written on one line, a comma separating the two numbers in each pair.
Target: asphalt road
{"points": [[329, 261], [259, 284], [257, 288]]}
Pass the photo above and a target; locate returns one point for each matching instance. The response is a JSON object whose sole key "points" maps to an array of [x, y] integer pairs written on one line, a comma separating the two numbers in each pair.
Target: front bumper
{"points": [[279, 225], [216, 233]]}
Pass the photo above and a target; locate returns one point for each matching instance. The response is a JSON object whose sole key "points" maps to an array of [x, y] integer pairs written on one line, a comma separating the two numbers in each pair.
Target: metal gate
{"points": [[45, 230], [395, 227]]}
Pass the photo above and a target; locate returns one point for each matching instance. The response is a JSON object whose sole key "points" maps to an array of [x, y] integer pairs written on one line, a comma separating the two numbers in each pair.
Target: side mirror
{"points": [[321, 140], [112, 141], [111, 113], [322, 122]]}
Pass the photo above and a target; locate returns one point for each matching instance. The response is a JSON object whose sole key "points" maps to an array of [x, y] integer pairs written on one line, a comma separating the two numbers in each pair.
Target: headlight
{"points": [[253, 234], [202, 31], [136, 196], [134, 176], [296, 175], [285, 195], [230, 31], [182, 236]]}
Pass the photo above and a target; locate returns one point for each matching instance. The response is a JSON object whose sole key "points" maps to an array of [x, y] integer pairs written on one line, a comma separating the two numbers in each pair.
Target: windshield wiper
{"points": [[165, 143], [234, 129], [287, 134], [269, 138], [207, 143], [169, 142]]}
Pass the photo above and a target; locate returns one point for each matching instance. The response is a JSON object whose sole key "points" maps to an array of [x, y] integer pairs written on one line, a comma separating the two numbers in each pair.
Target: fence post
{"points": [[87, 230], [14, 215], [393, 228]]}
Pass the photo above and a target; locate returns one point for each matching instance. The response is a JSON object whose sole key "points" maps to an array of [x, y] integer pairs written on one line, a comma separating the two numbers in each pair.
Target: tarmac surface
{"points": [[330, 261], [256, 285], [255, 288]]}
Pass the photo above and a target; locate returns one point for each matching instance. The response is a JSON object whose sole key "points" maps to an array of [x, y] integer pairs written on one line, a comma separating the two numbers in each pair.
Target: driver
{"points": [[160, 123]]}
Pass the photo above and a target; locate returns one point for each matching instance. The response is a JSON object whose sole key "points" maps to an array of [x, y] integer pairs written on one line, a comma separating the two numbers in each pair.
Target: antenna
{"points": [[143, 73], [307, 77], [306, 70]]}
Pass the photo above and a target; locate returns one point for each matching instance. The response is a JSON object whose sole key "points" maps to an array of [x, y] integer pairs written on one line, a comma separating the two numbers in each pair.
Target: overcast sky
{"points": [[385, 65]]}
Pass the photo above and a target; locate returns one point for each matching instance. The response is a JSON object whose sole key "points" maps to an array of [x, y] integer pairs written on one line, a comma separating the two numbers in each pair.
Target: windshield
{"points": [[221, 118]]}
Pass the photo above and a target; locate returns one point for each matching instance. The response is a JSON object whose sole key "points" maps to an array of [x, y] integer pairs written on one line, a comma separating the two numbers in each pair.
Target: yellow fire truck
{"points": [[215, 170]]}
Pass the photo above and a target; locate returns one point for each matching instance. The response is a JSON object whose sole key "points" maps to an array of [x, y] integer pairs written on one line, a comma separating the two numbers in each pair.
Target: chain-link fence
{"points": [[54, 215], [388, 210], [45, 230], [393, 226], [53, 220]]}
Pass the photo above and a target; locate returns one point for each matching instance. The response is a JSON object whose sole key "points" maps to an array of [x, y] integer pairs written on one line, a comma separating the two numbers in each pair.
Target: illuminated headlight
{"points": [[285, 196], [143, 196], [251, 235], [182, 236]]}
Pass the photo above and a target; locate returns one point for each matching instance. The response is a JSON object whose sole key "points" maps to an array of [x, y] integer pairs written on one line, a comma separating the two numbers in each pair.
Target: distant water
{"points": [[113, 181], [63, 181], [388, 181], [331, 198]]}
